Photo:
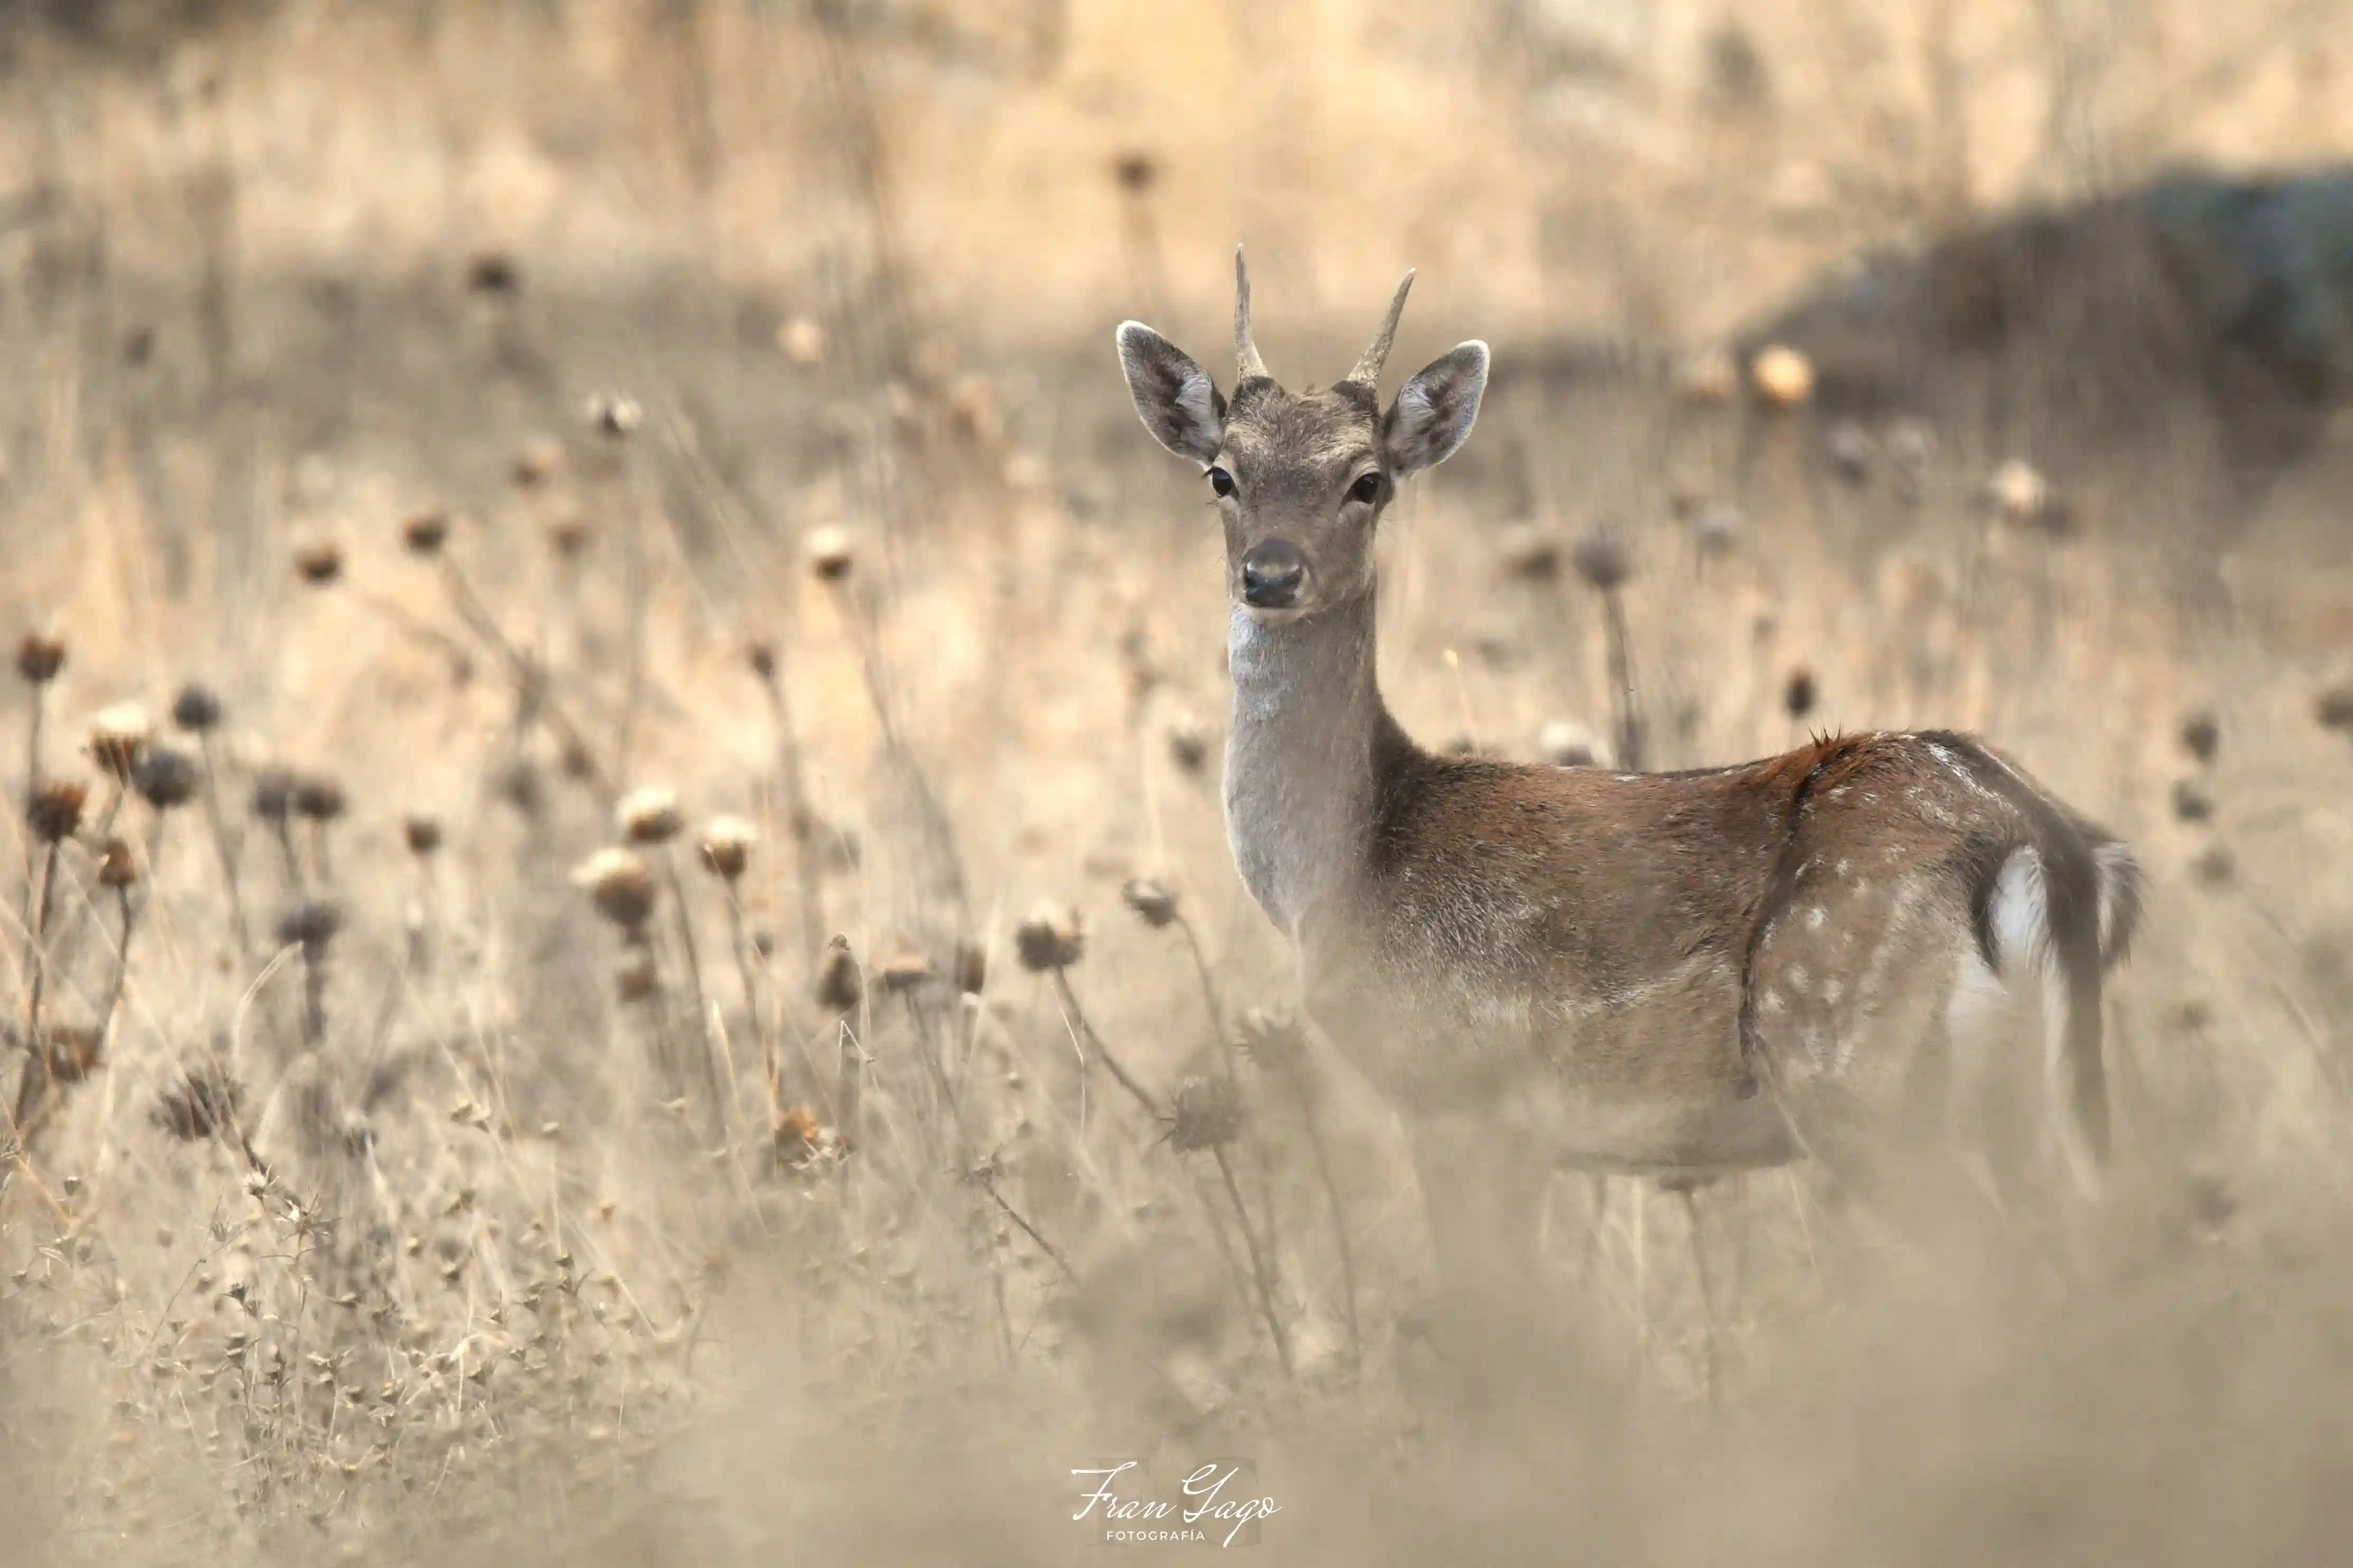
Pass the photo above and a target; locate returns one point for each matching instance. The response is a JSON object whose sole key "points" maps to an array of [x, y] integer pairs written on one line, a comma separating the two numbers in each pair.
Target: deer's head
{"points": [[1301, 479]]}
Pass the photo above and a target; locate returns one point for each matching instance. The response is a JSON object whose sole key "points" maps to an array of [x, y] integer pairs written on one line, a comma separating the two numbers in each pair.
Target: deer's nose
{"points": [[1272, 574]]}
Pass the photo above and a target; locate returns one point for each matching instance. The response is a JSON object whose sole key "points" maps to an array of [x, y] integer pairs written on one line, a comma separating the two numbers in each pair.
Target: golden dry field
{"points": [[617, 937]]}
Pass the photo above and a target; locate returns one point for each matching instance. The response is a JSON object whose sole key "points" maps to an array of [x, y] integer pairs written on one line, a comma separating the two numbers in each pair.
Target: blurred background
{"points": [[520, 524]]}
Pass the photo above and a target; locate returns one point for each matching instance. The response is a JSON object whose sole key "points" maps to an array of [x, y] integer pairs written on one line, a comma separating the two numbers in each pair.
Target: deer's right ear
{"points": [[1179, 403]]}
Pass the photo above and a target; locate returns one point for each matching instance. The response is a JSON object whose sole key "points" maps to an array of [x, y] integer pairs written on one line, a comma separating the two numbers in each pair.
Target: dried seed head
{"points": [[539, 460], [425, 533], [1153, 903], [1784, 377], [317, 798], [118, 739], [1603, 559], [902, 971], [1529, 553], [620, 884], [203, 1104], [1136, 171], [311, 922], [168, 778], [1276, 1041], [2215, 867], [493, 272], [1716, 530], [2191, 801], [971, 967], [568, 534], [39, 657], [797, 1136], [1188, 748], [649, 815], [1206, 1114], [760, 653], [71, 1052], [636, 978], [117, 867], [802, 340], [1566, 743], [1049, 939], [422, 833], [2334, 707], [831, 554], [2201, 735], [196, 709], [614, 417], [726, 846], [838, 984], [54, 813], [1799, 694], [318, 559], [273, 794]]}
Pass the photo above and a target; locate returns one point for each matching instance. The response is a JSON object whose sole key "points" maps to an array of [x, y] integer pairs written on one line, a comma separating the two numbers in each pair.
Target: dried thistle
{"points": [[318, 560], [537, 462], [317, 798], [760, 653], [971, 967], [1206, 1114], [2019, 491], [797, 1137], [424, 534], [636, 978], [1603, 559], [831, 555], [1800, 693], [168, 779], [1529, 553], [71, 1052], [726, 846], [312, 923], [1276, 1041], [1188, 748], [2334, 707], [2191, 801], [117, 867], [1136, 171], [39, 658], [649, 815], [839, 985], [2201, 735], [203, 1104], [1154, 902], [568, 534], [422, 834], [196, 709], [273, 794], [621, 885], [902, 971], [54, 813], [119, 738], [1049, 939]]}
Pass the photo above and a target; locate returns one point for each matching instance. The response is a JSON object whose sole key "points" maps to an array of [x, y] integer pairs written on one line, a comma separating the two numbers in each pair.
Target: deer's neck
{"points": [[1309, 733]]}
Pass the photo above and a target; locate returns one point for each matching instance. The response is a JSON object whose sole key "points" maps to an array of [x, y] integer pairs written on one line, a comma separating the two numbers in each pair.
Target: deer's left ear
{"points": [[1434, 412]]}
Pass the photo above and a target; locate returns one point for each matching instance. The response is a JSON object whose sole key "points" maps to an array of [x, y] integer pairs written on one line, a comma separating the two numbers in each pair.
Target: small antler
{"points": [[1368, 369], [1244, 349]]}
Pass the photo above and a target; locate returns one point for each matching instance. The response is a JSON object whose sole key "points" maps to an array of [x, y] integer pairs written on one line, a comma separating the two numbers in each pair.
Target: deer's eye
{"points": [[1221, 481], [1368, 487]]}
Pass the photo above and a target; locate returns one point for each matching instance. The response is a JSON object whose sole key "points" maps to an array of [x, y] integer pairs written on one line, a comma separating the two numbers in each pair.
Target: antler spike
{"points": [[1244, 349], [1368, 369]]}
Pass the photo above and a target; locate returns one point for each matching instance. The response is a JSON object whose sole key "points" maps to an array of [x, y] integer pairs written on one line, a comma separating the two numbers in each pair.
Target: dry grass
{"points": [[432, 1190]]}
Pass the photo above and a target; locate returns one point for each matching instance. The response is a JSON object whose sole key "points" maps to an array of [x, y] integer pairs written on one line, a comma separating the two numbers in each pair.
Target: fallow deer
{"points": [[1673, 974]]}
